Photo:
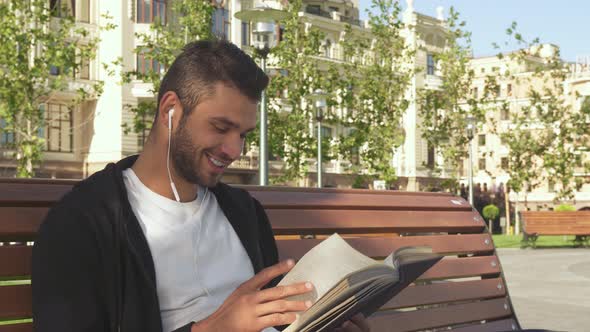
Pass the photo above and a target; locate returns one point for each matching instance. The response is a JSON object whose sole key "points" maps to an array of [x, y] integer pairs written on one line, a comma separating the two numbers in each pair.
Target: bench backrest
{"points": [[556, 223], [465, 291]]}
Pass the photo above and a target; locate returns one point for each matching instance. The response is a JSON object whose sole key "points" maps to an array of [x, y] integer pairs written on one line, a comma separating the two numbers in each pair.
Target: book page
{"points": [[325, 265]]}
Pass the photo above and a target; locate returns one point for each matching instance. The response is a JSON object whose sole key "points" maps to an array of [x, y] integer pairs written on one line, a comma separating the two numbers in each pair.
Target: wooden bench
{"points": [[466, 291], [537, 223]]}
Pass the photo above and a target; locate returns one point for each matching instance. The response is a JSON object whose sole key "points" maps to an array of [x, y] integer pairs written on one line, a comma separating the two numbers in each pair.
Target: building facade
{"points": [[490, 158], [82, 141]]}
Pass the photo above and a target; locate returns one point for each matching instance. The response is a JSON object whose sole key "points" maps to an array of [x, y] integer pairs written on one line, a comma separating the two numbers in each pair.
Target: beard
{"points": [[186, 156]]}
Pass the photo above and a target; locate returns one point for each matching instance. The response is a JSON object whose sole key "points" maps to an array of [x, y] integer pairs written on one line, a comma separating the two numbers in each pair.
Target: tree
{"points": [[291, 114], [372, 85], [491, 212], [187, 21], [444, 110], [550, 131], [41, 51]]}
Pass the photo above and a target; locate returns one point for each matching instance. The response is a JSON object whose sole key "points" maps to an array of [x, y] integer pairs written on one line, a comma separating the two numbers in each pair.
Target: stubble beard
{"points": [[186, 157]]}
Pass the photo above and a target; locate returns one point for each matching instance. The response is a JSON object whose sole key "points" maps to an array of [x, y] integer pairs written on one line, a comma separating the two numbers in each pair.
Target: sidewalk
{"points": [[550, 288]]}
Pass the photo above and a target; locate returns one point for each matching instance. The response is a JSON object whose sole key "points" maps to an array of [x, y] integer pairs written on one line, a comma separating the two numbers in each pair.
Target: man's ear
{"points": [[169, 101]]}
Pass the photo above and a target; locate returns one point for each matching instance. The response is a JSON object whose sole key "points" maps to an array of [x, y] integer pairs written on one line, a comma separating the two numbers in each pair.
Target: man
{"points": [[155, 242]]}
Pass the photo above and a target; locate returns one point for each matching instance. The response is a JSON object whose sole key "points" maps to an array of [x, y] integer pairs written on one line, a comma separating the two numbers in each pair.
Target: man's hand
{"points": [[250, 309], [357, 323]]}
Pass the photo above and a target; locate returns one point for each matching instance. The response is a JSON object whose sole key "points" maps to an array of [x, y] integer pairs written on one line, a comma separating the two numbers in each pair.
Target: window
{"points": [[551, 186], [482, 70], [354, 155], [62, 8], [245, 34], [334, 9], [326, 132], [313, 9], [143, 135], [482, 164], [475, 92], [328, 48], [59, 123], [6, 138], [430, 64], [509, 90], [149, 10], [145, 65], [504, 163], [505, 113], [430, 157], [221, 23], [481, 140]]}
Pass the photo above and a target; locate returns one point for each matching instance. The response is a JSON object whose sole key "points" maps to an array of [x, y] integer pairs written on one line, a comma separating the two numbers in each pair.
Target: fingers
{"points": [[282, 306], [281, 292], [276, 319], [265, 276]]}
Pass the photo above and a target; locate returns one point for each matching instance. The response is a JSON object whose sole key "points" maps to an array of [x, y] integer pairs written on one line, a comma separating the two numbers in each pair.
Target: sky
{"points": [[565, 23]]}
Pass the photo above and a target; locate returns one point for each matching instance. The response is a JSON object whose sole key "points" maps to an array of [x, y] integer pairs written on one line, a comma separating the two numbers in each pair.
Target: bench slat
{"points": [[449, 268], [21, 222], [20, 194], [16, 301], [440, 316], [25, 327], [383, 246], [493, 326], [358, 201], [16, 260], [556, 223], [296, 221], [447, 292]]}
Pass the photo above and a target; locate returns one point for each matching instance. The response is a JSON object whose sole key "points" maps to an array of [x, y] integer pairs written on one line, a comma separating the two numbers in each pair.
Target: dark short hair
{"points": [[204, 63]]}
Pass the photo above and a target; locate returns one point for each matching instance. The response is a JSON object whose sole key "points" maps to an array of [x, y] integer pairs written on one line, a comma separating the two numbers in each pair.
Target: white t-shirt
{"points": [[198, 257]]}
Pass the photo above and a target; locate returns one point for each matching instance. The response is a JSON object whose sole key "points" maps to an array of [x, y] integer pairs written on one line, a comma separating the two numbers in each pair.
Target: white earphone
{"points": [[174, 191]]}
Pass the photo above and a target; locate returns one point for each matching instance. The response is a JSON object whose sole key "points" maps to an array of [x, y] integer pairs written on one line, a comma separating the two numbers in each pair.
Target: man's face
{"points": [[212, 136]]}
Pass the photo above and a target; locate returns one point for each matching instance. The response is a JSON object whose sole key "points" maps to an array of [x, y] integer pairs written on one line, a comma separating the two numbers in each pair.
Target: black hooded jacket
{"points": [[92, 267]]}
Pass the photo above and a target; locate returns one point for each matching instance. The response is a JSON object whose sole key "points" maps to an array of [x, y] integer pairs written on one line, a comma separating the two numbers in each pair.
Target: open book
{"points": [[347, 282]]}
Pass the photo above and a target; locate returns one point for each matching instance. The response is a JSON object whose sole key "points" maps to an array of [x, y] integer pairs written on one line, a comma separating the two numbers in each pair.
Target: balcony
{"points": [[245, 162], [318, 12], [351, 21]]}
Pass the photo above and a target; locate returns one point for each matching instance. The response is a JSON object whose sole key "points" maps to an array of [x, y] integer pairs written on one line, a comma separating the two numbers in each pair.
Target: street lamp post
{"points": [[319, 99], [470, 135], [263, 17]]}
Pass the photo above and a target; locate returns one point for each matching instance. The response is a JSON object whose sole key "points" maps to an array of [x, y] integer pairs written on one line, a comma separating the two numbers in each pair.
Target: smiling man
{"points": [[155, 242]]}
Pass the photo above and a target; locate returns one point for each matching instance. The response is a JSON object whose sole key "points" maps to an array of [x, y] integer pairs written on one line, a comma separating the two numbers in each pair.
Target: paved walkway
{"points": [[550, 288]]}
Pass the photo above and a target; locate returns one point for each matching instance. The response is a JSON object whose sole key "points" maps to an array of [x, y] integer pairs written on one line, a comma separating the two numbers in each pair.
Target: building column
{"points": [[106, 140]]}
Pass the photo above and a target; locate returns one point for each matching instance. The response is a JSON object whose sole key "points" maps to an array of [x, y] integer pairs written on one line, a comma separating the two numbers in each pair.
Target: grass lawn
{"points": [[547, 241], [15, 321], [9, 283]]}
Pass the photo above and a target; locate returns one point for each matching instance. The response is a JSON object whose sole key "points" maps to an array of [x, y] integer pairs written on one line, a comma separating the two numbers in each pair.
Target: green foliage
{"points": [[371, 86], [32, 43], [564, 208], [187, 21], [291, 115], [549, 138], [491, 212], [444, 110]]}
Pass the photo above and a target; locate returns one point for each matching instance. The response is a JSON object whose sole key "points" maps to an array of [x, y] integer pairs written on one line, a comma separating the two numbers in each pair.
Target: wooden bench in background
{"points": [[465, 291], [537, 223]]}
